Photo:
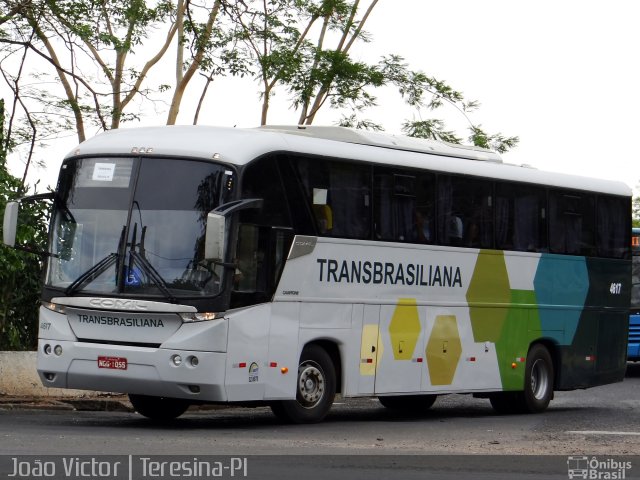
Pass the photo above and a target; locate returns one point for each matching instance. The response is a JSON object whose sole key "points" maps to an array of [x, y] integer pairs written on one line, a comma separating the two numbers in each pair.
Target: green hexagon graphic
{"points": [[488, 296], [404, 329], [443, 350]]}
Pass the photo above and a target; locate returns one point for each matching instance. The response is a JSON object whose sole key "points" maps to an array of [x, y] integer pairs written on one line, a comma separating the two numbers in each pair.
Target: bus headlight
{"points": [[54, 307], [200, 317]]}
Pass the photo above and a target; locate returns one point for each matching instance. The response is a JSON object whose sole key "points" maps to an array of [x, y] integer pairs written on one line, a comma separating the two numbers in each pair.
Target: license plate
{"points": [[115, 363]]}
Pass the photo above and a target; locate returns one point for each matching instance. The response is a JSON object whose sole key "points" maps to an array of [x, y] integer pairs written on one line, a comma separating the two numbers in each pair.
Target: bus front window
{"points": [[136, 226]]}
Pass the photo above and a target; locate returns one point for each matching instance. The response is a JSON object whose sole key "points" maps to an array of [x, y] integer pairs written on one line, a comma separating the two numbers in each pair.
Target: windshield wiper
{"points": [[92, 273], [96, 270], [153, 274], [140, 259], [136, 258]]}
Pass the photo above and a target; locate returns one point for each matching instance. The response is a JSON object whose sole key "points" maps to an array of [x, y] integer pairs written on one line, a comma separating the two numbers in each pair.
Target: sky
{"points": [[562, 75]]}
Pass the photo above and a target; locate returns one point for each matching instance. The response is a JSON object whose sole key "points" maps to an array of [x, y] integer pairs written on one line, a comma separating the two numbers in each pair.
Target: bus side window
{"points": [[339, 196], [571, 223], [349, 195], [612, 227], [404, 205], [249, 260], [465, 212], [520, 218]]}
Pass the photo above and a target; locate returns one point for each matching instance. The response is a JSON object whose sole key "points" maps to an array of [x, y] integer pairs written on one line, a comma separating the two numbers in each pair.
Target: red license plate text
{"points": [[115, 363]]}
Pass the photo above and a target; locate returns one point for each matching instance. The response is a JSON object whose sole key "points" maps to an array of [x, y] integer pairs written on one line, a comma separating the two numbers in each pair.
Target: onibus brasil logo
{"points": [[594, 468]]}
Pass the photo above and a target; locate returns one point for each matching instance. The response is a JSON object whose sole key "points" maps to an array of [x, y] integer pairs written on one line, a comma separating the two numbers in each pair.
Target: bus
{"points": [[283, 266], [633, 352]]}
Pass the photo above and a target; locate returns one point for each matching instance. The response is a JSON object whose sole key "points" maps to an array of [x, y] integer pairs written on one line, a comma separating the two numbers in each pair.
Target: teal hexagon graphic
{"points": [[561, 281]]}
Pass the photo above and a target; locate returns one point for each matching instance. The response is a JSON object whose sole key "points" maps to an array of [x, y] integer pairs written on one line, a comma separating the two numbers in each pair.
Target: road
{"points": [[602, 421]]}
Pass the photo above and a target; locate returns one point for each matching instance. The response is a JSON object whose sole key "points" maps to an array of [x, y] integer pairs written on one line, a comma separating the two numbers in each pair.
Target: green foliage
{"points": [[422, 91], [302, 47], [352, 121], [433, 129], [20, 272], [497, 142], [636, 212]]}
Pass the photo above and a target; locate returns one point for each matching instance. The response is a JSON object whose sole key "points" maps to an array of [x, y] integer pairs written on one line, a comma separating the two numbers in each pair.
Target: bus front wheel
{"points": [[315, 389], [158, 408]]}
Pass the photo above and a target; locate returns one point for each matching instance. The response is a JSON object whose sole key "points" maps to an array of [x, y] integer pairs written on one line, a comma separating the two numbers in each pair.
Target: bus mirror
{"points": [[10, 223], [214, 242]]}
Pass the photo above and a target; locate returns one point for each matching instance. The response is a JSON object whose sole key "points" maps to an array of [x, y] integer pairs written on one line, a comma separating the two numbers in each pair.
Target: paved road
{"points": [[602, 421]]}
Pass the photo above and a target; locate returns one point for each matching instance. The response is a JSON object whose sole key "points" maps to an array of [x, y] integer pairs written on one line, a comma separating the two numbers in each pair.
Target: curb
{"points": [[120, 404]]}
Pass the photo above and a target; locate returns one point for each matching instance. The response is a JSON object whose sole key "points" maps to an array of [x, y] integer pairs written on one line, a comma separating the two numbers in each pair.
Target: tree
{"points": [[20, 272], [332, 75], [72, 36], [304, 47], [93, 54], [200, 48]]}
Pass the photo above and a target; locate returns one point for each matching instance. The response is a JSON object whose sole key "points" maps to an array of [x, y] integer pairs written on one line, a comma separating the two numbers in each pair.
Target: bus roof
{"points": [[239, 146]]}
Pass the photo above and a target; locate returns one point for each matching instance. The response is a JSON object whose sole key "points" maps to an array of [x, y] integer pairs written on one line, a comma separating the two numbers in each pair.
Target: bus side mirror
{"points": [[10, 223], [214, 242]]}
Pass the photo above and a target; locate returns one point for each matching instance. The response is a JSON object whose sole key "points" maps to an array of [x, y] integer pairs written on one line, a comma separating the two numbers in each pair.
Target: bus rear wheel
{"points": [[158, 408], [538, 380], [315, 389], [408, 403], [538, 386]]}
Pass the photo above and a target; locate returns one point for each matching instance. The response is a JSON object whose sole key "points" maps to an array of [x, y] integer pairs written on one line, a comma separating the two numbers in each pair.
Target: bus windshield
{"points": [[135, 226]]}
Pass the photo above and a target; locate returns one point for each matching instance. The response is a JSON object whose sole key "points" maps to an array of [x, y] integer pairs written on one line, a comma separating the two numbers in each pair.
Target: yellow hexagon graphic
{"points": [[489, 286], [404, 329], [370, 349], [443, 350]]}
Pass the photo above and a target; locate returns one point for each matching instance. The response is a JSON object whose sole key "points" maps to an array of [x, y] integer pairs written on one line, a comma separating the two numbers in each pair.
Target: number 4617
{"points": [[615, 288]]}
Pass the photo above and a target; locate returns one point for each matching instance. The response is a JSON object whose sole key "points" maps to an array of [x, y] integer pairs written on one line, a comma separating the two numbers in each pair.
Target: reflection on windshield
{"points": [[163, 219]]}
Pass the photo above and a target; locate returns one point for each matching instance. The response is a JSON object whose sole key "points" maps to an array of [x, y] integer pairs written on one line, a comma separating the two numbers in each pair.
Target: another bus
{"points": [[284, 265], [633, 352]]}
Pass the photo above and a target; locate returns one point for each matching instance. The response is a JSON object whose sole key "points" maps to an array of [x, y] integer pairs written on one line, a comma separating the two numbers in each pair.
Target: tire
{"points": [[538, 386], [315, 389], [158, 408], [409, 403], [538, 380]]}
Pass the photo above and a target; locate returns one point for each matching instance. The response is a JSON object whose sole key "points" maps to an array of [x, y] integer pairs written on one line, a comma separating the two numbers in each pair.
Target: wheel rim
{"points": [[311, 384], [539, 379]]}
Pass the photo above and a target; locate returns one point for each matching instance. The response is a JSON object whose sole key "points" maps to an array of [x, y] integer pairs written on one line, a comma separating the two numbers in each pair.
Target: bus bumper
{"points": [[144, 371]]}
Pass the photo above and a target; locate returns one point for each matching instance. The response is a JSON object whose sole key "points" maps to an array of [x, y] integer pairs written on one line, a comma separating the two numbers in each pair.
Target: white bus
{"points": [[284, 265]]}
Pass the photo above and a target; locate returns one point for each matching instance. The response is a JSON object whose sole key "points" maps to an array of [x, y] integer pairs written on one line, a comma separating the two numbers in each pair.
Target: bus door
{"points": [[401, 353], [370, 345], [260, 256]]}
